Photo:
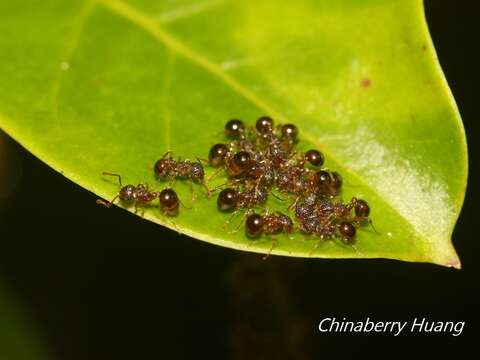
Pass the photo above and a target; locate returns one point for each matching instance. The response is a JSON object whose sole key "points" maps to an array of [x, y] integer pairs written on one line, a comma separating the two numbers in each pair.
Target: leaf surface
{"points": [[111, 85]]}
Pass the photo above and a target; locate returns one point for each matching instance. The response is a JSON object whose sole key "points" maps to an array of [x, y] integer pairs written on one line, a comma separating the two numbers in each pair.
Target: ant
{"points": [[268, 224], [330, 220], [232, 200], [242, 165], [140, 195], [167, 168]]}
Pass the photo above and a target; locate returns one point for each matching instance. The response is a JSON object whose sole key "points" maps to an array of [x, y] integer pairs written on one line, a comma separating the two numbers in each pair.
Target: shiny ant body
{"points": [[232, 200], [167, 168], [268, 224], [327, 219], [140, 196]]}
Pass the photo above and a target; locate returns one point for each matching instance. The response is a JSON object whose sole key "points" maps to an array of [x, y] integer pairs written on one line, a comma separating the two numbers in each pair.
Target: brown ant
{"points": [[140, 195], [232, 200], [268, 224], [277, 149], [167, 168], [242, 165], [331, 220]]}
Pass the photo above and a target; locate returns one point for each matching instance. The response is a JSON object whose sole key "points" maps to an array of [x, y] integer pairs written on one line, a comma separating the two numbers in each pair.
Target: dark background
{"points": [[103, 285]]}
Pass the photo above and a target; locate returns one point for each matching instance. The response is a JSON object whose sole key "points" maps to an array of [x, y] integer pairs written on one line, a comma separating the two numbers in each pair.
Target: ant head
{"points": [[162, 167], [254, 225], [127, 193], [227, 200], [217, 154], [348, 232], [234, 128], [264, 125], [314, 157], [197, 172]]}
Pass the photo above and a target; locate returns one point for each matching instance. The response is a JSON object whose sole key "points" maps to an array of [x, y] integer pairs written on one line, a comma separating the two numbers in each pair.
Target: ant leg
{"points": [[185, 206], [218, 188], [214, 175], [175, 227], [192, 190], [107, 204], [112, 174], [274, 244], [202, 160], [315, 247], [230, 219], [276, 196], [208, 192], [292, 206], [370, 222], [240, 223], [164, 155], [172, 181]]}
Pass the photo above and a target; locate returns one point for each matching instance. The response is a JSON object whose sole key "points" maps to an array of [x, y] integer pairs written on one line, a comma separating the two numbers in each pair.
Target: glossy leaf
{"points": [[90, 86]]}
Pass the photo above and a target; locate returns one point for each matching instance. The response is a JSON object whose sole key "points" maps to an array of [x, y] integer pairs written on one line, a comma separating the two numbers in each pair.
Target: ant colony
{"points": [[258, 162]]}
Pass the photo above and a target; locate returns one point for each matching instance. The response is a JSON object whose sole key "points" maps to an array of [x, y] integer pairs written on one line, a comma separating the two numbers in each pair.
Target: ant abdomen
{"points": [[254, 225], [347, 230], [234, 128], [217, 155], [264, 125], [362, 209], [327, 183], [169, 202], [227, 200], [314, 157]]}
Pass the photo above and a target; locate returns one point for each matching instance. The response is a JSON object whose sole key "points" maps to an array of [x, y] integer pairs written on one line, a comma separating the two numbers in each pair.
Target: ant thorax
{"points": [[276, 224]]}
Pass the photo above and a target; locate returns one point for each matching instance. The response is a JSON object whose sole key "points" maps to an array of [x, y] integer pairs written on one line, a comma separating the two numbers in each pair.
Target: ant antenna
{"points": [[214, 175], [167, 153], [277, 197], [111, 174], [370, 222], [274, 244], [107, 204]]}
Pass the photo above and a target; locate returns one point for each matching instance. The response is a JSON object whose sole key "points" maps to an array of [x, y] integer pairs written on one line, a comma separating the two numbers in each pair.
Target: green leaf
{"points": [[110, 85]]}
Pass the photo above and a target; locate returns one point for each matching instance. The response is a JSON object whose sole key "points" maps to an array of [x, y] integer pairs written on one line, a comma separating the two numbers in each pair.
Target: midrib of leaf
{"points": [[151, 26], [167, 80]]}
